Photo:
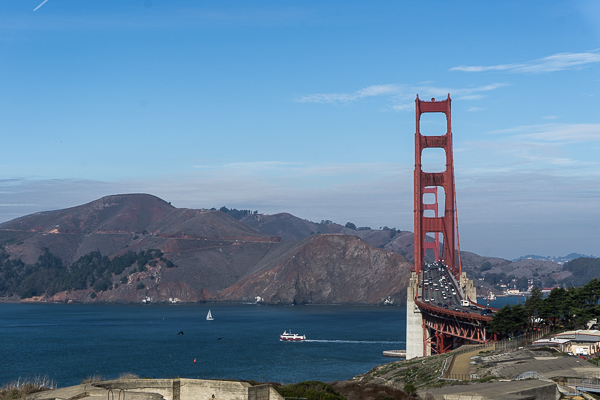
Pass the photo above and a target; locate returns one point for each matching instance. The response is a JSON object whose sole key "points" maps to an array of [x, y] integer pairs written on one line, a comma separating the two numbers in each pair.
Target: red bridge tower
{"points": [[430, 182], [432, 328]]}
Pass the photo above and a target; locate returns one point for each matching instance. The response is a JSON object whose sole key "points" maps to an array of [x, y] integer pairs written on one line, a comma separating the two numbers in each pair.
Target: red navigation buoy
{"points": [[194, 360]]}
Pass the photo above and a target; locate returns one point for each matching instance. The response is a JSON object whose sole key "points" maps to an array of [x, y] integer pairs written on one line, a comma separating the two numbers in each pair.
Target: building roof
{"points": [[581, 335], [552, 341]]}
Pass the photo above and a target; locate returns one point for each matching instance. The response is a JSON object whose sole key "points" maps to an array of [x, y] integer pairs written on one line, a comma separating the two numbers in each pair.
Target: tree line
{"points": [[49, 276], [235, 213], [570, 308]]}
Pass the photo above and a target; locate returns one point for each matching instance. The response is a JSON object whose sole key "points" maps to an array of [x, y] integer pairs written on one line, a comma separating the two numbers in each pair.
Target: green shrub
{"points": [[410, 389], [311, 390]]}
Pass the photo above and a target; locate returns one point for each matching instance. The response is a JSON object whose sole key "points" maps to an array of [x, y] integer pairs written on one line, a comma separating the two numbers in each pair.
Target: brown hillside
{"points": [[328, 268], [289, 227], [211, 249], [106, 224], [116, 224], [118, 213]]}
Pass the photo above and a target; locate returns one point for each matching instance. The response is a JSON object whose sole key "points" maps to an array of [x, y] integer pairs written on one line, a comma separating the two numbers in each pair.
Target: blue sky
{"points": [[307, 107]]}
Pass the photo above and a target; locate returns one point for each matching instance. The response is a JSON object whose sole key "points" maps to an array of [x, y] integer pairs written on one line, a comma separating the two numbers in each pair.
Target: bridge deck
{"points": [[452, 313], [439, 293]]}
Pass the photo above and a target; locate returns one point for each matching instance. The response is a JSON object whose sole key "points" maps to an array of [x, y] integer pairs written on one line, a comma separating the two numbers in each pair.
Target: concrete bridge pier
{"points": [[414, 321], [468, 288]]}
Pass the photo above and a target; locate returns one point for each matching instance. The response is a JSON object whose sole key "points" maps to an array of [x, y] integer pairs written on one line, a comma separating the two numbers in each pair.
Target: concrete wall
{"points": [[164, 387], [414, 321], [182, 389], [159, 389], [196, 389], [263, 392]]}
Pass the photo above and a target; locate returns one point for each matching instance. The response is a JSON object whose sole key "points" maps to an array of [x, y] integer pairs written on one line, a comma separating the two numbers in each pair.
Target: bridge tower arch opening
{"points": [[433, 209]]}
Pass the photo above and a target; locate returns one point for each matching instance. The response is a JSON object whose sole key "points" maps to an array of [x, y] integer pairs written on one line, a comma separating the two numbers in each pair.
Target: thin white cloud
{"points": [[553, 158], [41, 4], [565, 133], [556, 62], [252, 165], [369, 91], [471, 97], [273, 170], [402, 94], [403, 107], [124, 15], [378, 90]]}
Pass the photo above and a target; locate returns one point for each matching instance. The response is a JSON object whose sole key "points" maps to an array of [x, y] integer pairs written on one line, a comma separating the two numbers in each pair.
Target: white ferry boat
{"points": [[289, 336]]}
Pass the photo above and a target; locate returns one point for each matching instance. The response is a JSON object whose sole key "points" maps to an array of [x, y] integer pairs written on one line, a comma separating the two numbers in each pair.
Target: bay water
{"points": [[68, 343]]}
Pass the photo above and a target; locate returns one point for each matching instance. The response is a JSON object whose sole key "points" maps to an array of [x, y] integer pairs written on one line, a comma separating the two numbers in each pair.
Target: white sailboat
{"points": [[209, 316]]}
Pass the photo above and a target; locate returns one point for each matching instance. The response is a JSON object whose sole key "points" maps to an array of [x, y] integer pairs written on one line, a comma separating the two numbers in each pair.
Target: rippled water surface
{"points": [[70, 342]]}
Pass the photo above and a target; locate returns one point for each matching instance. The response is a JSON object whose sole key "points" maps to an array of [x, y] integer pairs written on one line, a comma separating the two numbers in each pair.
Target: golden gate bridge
{"points": [[442, 310]]}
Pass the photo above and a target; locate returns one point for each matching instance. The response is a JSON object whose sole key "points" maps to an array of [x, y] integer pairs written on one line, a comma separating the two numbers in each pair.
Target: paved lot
{"points": [[516, 390], [510, 365], [513, 364]]}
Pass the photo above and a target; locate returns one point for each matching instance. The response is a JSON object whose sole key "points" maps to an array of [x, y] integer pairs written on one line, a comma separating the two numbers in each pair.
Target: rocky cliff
{"points": [[325, 269]]}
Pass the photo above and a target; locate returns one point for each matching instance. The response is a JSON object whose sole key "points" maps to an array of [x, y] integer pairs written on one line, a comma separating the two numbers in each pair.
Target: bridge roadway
{"points": [[448, 319], [438, 288]]}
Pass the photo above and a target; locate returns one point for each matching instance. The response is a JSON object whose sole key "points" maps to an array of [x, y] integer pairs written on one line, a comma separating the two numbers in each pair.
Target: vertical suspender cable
{"points": [[456, 221]]}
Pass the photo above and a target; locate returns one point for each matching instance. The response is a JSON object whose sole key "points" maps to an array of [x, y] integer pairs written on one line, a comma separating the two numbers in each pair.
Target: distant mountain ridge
{"points": [[216, 256], [557, 260], [231, 255]]}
